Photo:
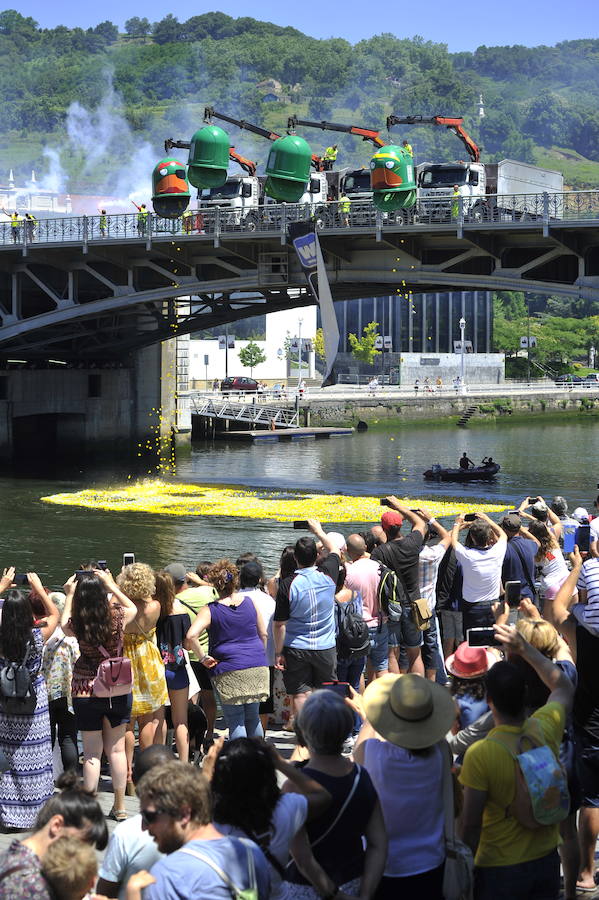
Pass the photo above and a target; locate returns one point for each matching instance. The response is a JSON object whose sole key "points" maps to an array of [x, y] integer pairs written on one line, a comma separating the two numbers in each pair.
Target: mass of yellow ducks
{"points": [[174, 499]]}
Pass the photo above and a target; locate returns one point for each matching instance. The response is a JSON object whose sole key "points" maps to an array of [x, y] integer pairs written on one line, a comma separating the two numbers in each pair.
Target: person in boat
{"points": [[465, 462], [487, 461]]}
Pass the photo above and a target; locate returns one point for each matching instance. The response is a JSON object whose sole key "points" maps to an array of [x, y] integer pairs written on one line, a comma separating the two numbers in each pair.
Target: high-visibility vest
{"points": [[331, 154], [344, 203], [455, 207], [408, 147], [102, 221], [142, 216], [15, 220]]}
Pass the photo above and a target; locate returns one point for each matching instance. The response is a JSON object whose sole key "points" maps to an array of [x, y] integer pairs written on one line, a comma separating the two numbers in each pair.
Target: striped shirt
{"points": [[587, 614]]}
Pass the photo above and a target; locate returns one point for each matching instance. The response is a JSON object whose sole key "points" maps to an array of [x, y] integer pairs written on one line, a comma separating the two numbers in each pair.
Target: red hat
{"points": [[469, 662], [391, 518]]}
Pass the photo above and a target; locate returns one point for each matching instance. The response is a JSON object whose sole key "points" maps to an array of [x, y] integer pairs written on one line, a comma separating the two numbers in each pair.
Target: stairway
{"points": [[467, 415]]}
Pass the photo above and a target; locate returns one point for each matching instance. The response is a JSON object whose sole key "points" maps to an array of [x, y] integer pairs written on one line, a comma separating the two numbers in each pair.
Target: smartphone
{"points": [[417, 511], [339, 687], [470, 517], [102, 564], [533, 500], [482, 637], [128, 559], [80, 573], [583, 538], [385, 502], [301, 525], [20, 578], [569, 538], [512, 593]]}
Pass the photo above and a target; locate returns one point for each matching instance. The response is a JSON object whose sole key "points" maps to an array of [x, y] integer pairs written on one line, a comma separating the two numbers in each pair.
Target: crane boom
{"points": [[211, 113], [367, 134], [247, 165], [452, 124]]}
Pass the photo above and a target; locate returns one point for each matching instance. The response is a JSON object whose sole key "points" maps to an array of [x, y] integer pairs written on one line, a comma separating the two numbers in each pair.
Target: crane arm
{"points": [[210, 113], [170, 144], [454, 125], [367, 134], [246, 164]]}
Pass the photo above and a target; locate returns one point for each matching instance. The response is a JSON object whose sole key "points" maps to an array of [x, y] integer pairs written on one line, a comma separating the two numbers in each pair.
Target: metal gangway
{"points": [[249, 413]]}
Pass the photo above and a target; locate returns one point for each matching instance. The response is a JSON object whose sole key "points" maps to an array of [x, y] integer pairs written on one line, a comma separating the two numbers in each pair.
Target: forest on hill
{"points": [[541, 104]]}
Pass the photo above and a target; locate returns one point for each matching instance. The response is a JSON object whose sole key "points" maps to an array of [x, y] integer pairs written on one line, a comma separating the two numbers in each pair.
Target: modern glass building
{"points": [[422, 323]]}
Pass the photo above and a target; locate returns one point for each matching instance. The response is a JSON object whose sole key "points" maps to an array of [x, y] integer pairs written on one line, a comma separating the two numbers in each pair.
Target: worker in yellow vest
{"points": [[330, 156], [142, 218], [15, 225], [344, 208], [30, 224], [455, 203], [187, 221], [103, 222], [407, 147]]}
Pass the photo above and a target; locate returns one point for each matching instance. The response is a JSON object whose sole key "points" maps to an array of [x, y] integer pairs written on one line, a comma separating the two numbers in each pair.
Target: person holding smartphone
{"points": [[481, 559]]}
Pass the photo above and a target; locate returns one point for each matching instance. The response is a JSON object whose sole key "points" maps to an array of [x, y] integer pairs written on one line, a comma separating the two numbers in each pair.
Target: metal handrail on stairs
{"points": [[252, 413]]}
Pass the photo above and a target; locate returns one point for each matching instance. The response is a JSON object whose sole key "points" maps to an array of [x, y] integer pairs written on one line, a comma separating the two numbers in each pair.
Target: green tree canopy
{"points": [[251, 355], [363, 348]]}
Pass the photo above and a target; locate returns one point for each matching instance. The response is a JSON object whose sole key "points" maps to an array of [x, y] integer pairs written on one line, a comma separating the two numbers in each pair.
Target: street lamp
{"points": [[299, 361], [592, 353], [462, 324]]}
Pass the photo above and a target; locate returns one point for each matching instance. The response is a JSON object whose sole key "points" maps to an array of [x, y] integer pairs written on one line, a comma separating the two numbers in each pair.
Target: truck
{"points": [[489, 190]]}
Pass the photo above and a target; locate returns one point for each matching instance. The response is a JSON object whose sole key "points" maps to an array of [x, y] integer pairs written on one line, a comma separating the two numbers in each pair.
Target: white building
{"points": [[280, 327]]}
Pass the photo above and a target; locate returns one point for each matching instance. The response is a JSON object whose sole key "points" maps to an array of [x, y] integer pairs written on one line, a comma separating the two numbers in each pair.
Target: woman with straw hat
{"points": [[399, 746]]}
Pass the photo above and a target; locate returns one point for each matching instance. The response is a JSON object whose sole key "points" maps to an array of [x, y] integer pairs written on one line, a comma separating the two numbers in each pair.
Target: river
{"points": [[536, 458]]}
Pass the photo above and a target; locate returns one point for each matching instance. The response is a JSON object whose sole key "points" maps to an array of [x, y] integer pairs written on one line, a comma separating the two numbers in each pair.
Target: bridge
{"points": [[84, 290], [253, 414]]}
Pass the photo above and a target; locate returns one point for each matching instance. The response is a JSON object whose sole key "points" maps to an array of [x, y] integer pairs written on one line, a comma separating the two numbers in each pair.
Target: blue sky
{"points": [[462, 26]]}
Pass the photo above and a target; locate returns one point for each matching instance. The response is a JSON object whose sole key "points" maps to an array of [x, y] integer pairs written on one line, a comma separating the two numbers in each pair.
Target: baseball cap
{"points": [[511, 522], [177, 571], [581, 515], [390, 518]]}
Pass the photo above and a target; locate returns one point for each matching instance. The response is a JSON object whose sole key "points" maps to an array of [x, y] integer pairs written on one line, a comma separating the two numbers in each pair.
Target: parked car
{"points": [[566, 380], [238, 383], [592, 378]]}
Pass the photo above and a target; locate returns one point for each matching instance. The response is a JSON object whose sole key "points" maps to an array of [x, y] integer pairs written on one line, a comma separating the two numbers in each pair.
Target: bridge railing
{"points": [[331, 216]]}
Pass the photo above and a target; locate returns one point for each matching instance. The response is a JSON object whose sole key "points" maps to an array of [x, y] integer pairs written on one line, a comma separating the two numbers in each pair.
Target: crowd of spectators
{"points": [[412, 675]]}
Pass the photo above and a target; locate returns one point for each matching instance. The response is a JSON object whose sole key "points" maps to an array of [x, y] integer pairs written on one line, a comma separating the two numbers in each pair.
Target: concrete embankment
{"points": [[434, 408]]}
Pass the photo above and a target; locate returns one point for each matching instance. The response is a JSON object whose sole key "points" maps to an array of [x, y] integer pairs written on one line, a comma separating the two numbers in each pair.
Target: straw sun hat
{"points": [[408, 710]]}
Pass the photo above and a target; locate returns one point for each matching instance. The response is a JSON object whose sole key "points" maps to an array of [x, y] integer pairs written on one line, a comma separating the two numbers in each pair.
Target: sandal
{"points": [[119, 815]]}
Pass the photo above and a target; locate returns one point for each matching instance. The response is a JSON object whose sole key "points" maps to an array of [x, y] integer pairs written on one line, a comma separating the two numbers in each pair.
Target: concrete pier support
{"points": [[61, 412]]}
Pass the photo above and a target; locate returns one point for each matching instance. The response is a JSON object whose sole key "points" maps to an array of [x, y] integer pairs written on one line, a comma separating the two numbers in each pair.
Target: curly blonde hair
{"points": [[137, 581], [224, 576]]}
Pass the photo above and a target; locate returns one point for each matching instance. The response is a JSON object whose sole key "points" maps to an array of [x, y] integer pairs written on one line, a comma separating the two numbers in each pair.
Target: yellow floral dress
{"points": [[149, 680]]}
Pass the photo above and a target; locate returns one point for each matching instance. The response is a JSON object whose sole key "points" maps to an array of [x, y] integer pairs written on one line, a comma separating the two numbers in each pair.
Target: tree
{"points": [[251, 355], [107, 31], [167, 30], [318, 343], [137, 28], [363, 348]]}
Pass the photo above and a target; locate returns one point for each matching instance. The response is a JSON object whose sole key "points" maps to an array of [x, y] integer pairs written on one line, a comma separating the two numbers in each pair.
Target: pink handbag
{"points": [[114, 677]]}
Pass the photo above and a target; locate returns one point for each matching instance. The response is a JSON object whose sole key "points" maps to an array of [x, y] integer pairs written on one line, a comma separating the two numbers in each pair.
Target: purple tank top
{"points": [[233, 637]]}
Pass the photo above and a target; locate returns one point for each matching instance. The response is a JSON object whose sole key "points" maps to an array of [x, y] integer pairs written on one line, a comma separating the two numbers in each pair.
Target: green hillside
{"points": [[541, 104]]}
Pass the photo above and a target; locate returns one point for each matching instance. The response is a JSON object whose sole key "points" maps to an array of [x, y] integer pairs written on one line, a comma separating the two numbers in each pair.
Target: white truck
{"points": [[489, 190], [242, 200]]}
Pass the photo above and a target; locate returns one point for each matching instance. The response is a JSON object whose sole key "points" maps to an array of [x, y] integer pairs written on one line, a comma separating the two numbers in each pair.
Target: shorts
{"points": [[452, 628], [90, 712], [378, 653], [268, 706], [404, 633], [202, 674], [305, 670], [587, 759], [177, 679]]}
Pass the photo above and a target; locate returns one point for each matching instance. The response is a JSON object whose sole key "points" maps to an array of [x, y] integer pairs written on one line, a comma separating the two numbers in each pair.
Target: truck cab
{"points": [[436, 183], [240, 194]]}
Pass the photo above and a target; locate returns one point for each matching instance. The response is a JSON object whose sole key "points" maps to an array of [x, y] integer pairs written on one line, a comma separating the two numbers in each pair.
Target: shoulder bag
{"points": [[114, 677], [237, 893], [459, 863]]}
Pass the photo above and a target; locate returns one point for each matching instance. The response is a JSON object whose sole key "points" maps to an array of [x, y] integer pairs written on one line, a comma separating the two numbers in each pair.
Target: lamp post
{"points": [[462, 324], [592, 353], [299, 353]]}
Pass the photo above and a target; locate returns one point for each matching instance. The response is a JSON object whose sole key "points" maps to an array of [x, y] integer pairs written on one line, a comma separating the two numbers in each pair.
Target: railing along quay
{"points": [[520, 210]]}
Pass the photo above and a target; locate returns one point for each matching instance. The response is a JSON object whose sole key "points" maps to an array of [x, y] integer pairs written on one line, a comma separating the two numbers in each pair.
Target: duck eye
{"points": [[372, 164], [163, 172], [390, 163]]}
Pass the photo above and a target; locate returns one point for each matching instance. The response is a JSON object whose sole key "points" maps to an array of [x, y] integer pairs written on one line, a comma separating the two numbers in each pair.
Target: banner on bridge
{"points": [[307, 246]]}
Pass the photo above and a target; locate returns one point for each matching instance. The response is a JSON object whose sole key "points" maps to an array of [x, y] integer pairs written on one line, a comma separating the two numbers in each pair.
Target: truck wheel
{"points": [[251, 222], [478, 213]]}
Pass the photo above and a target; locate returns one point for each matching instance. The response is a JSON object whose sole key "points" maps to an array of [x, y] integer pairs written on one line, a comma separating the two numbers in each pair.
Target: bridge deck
{"points": [[288, 434]]}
